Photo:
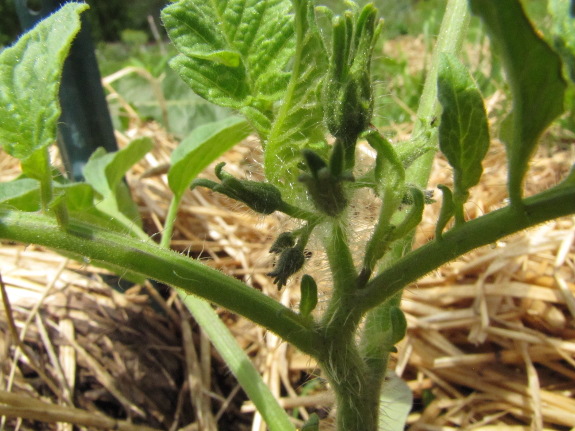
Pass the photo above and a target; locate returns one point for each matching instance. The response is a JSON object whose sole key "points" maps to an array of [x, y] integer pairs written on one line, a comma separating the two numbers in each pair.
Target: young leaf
{"points": [[463, 131], [389, 176], [396, 401], [233, 53], [299, 121], [30, 73], [534, 73], [200, 148], [77, 196], [105, 172]]}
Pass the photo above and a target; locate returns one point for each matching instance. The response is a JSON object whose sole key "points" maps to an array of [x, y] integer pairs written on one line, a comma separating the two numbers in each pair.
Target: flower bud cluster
{"points": [[291, 258], [347, 91]]}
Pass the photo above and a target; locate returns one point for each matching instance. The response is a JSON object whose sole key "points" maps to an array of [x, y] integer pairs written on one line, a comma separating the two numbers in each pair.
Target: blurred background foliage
{"points": [[108, 18], [130, 35]]}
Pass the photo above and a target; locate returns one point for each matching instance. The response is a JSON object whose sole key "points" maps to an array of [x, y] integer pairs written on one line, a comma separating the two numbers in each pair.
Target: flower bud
{"points": [[325, 188], [290, 261], [283, 241], [263, 198], [347, 91]]}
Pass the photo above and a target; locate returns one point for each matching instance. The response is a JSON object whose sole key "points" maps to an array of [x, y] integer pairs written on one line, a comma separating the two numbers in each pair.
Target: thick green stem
{"points": [[340, 358], [551, 204], [357, 380], [151, 261], [341, 362], [377, 343]]}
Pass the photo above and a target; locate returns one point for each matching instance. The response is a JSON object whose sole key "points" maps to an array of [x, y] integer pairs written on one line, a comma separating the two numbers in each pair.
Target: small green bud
{"points": [[308, 295], [314, 162], [398, 325], [290, 261], [283, 241], [447, 211], [263, 198]]}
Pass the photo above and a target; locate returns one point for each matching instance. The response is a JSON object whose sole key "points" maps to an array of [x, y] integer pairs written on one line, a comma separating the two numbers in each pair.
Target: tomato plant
{"points": [[306, 90]]}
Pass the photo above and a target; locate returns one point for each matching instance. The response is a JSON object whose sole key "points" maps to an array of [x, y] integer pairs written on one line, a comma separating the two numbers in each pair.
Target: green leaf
{"points": [[395, 400], [563, 30], [202, 147], [233, 53], [238, 362], [463, 131], [30, 73], [299, 121], [105, 172], [24, 194], [77, 196], [534, 73]]}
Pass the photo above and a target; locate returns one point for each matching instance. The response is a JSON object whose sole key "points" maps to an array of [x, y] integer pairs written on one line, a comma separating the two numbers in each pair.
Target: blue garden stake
{"points": [[85, 123]]}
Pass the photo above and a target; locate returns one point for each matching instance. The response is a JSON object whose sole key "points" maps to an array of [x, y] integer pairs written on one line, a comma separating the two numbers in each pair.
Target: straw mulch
{"points": [[490, 345]]}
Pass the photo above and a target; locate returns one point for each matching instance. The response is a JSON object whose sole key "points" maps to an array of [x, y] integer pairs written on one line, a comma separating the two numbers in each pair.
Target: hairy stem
{"points": [[169, 223], [148, 259], [375, 352], [340, 358], [548, 205]]}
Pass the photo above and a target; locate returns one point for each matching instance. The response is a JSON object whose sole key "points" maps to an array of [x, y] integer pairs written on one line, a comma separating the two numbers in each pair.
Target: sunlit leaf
{"points": [[30, 73], [299, 122], [463, 131], [105, 172], [22, 194], [201, 147], [233, 53]]}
